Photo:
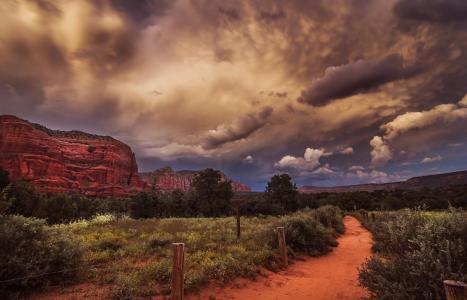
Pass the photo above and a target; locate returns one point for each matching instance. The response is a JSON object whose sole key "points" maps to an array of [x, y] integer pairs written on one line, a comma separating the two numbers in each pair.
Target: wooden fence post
{"points": [[282, 246], [455, 290], [238, 223], [177, 271]]}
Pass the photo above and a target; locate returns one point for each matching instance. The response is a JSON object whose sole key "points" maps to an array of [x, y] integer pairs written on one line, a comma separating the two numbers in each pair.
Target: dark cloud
{"points": [[354, 78], [167, 71], [239, 129], [142, 12], [230, 13], [107, 51], [432, 10], [271, 16]]}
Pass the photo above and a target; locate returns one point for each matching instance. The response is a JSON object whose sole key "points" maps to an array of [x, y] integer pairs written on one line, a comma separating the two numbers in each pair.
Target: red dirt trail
{"points": [[333, 276]]}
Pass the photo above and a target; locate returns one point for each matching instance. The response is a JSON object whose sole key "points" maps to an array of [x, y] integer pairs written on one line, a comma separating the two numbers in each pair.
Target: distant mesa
{"points": [[429, 181], [166, 179], [75, 161]]}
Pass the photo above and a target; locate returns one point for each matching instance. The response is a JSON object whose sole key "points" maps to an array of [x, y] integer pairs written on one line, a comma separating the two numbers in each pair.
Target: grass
{"points": [[134, 256]]}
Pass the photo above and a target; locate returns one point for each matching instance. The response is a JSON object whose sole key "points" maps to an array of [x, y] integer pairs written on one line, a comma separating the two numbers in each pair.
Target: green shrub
{"points": [[157, 241], [28, 249], [194, 279], [57, 208], [19, 198], [305, 233], [330, 216], [4, 178], [419, 253], [125, 288], [392, 230], [160, 271]]}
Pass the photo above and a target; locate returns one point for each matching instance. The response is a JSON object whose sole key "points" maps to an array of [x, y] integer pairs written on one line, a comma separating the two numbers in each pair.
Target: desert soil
{"points": [[333, 276]]}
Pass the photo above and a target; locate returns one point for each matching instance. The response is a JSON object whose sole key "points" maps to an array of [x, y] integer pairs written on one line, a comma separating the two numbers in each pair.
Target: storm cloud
{"points": [[432, 10], [240, 128], [354, 78], [197, 83]]}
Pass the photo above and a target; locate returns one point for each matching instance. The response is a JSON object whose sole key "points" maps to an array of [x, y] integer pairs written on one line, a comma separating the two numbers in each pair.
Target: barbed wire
{"points": [[54, 272]]}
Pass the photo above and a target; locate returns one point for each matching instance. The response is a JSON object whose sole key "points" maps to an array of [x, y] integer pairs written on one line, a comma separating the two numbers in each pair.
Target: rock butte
{"points": [[167, 179], [75, 161]]}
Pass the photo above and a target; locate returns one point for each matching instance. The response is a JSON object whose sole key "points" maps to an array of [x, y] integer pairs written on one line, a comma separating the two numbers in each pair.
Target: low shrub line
{"points": [[136, 256]]}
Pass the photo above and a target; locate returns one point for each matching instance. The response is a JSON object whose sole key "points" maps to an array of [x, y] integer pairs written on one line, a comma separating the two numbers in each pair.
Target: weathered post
{"points": [[238, 222], [373, 217], [282, 246], [455, 290], [177, 271]]}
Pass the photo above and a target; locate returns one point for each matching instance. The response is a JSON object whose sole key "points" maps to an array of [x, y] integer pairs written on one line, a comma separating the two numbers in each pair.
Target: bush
{"points": [[330, 216], [19, 198], [305, 233], [28, 249], [420, 253], [4, 178], [58, 208]]}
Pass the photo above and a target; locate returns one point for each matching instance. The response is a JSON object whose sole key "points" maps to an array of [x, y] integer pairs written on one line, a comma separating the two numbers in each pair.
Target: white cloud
{"points": [[380, 154], [355, 168], [347, 151], [444, 113], [308, 162], [429, 159], [248, 159], [463, 102], [438, 115], [324, 171]]}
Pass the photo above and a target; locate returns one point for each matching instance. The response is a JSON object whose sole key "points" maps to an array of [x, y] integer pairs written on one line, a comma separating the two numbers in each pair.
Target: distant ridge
{"points": [[429, 181]]}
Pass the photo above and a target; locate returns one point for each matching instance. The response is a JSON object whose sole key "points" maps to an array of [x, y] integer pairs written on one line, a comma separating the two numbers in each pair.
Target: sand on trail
{"points": [[333, 276]]}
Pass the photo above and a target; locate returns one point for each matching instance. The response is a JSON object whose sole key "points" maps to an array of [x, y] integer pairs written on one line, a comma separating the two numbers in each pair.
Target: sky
{"points": [[333, 92]]}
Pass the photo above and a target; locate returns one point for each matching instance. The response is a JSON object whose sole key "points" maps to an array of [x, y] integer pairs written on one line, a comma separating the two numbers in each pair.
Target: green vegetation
{"points": [[415, 252], [4, 179], [211, 194], [28, 249], [281, 191], [134, 256], [431, 199], [96, 241]]}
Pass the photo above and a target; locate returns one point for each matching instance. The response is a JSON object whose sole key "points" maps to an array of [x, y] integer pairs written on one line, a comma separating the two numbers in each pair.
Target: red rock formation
{"points": [[167, 180], [63, 161]]}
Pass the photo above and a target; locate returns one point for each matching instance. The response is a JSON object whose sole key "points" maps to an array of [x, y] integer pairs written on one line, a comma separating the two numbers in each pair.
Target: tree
{"points": [[142, 205], [4, 179], [212, 193], [177, 199], [281, 190], [20, 198], [57, 208]]}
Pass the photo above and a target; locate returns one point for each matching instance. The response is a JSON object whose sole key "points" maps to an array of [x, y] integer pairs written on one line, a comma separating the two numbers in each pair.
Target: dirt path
{"points": [[333, 276]]}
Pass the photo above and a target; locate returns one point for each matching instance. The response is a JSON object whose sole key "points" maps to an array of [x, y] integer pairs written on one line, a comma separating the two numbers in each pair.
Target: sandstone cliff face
{"points": [[63, 161], [167, 180]]}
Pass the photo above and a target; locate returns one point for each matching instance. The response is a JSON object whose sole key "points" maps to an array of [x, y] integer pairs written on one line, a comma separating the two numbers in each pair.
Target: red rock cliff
{"points": [[63, 161], [167, 180]]}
